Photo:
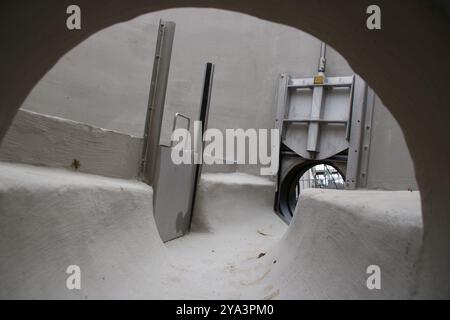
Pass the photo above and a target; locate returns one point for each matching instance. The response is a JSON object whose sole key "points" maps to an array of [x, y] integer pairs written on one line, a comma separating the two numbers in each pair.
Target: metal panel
{"points": [[175, 185], [316, 126], [157, 96], [172, 196]]}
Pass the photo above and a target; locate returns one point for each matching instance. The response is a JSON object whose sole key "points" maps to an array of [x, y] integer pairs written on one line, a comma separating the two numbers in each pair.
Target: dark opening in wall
{"points": [[310, 174]]}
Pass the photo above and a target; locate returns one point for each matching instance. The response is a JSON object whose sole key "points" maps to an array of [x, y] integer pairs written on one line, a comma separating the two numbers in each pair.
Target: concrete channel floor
{"points": [[53, 218], [219, 258]]}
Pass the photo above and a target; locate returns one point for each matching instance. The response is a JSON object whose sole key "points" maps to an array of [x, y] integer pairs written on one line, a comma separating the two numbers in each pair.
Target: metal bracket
{"points": [[174, 125]]}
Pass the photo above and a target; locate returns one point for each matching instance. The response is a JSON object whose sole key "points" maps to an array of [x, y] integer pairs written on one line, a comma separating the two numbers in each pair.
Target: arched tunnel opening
{"points": [[235, 235], [324, 234], [307, 175]]}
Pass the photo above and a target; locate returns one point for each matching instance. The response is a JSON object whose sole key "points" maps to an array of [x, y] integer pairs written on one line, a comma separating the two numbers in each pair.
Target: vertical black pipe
{"points": [[204, 113]]}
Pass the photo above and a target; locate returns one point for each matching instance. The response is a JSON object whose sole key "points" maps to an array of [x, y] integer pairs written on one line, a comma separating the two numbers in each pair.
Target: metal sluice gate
{"points": [[320, 120]]}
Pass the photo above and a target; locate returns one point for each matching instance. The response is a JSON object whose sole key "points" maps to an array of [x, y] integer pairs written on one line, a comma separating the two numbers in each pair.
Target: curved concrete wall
{"points": [[398, 49], [104, 82], [53, 218], [336, 235]]}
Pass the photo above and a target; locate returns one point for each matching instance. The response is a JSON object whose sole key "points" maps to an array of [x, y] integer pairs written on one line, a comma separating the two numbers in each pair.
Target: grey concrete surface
{"points": [[53, 218], [54, 142], [35, 37], [336, 235]]}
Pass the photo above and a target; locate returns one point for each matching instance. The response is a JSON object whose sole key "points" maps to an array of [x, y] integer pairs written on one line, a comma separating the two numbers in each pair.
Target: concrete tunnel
{"points": [[86, 178]]}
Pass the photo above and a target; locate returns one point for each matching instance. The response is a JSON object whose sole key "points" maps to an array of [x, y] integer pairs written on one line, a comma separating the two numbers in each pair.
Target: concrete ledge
{"points": [[39, 139]]}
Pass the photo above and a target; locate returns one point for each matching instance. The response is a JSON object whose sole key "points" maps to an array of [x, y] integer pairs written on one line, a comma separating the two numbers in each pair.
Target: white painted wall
{"points": [[105, 80]]}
